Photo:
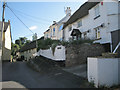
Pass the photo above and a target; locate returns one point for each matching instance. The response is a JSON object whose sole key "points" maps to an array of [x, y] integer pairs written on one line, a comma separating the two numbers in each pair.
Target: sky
{"points": [[37, 16]]}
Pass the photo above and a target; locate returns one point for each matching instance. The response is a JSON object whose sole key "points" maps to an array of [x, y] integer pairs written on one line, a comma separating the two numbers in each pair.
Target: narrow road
{"points": [[19, 75]]}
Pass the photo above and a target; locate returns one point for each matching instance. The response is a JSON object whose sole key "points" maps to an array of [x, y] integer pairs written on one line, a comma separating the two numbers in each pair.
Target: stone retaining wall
{"points": [[77, 54]]}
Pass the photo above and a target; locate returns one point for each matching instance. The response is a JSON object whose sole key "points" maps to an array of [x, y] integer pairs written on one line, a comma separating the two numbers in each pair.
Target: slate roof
{"points": [[5, 27], [81, 12], [29, 46]]}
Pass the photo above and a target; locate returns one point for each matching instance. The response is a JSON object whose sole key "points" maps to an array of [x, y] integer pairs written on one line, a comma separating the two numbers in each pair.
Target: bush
{"points": [[46, 44], [81, 41]]}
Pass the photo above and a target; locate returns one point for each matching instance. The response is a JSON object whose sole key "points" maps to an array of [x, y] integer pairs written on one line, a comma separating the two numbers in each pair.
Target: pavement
{"points": [[19, 75], [80, 70]]}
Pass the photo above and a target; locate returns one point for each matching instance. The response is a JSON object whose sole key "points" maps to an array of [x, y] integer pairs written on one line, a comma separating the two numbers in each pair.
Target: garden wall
{"points": [[103, 71], [57, 55], [77, 54]]}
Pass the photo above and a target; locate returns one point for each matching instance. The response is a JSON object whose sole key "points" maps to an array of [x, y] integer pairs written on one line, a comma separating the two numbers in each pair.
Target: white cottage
{"points": [[6, 50], [55, 31], [94, 20]]}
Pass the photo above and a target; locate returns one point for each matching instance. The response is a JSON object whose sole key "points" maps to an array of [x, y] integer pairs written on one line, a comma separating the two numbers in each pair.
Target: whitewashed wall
{"points": [[108, 16], [8, 38], [59, 54], [104, 71]]}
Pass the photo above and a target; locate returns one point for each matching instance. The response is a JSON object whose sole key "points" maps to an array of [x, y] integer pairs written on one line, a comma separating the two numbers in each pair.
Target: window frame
{"points": [[79, 23], [60, 27], [54, 31], [97, 33], [97, 11]]}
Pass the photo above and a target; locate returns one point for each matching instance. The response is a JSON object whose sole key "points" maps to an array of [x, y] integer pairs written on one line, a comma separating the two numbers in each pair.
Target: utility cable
{"points": [[20, 20]]}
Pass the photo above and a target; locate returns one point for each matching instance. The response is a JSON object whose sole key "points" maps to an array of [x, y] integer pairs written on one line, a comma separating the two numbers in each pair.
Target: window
{"points": [[97, 31], [80, 23], [61, 27], [53, 31], [97, 11], [70, 28]]}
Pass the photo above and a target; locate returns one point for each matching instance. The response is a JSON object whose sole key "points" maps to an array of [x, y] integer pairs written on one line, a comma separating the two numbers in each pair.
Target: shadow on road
{"points": [[19, 74]]}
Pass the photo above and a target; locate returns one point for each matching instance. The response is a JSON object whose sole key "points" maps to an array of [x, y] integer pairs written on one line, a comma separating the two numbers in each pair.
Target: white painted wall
{"points": [[59, 54], [103, 71], [108, 16], [58, 34], [8, 38]]}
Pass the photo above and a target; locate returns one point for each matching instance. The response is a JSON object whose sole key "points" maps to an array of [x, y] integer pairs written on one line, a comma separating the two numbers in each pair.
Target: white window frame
{"points": [[97, 33], [97, 11], [79, 23]]}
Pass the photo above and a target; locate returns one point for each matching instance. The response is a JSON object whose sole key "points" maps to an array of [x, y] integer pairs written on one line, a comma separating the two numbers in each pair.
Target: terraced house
{"points": [[6, 42], [97, 21], [55, 31], [27, 51]]}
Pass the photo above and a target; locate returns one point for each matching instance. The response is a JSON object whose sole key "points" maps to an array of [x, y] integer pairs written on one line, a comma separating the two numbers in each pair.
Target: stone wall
{"points": [[77, 54]]}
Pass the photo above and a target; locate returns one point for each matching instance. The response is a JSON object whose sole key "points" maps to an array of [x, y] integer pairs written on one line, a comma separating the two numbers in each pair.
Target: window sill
{"points": [[98, 39], [79, 26], [97, 17]]}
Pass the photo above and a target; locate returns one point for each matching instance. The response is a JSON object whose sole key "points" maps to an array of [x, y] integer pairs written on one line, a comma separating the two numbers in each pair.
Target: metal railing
{"points": [[116, 47]]}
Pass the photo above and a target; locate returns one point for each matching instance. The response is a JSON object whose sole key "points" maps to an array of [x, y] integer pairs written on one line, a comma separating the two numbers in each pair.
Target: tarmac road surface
{"points": [[19, 75]]}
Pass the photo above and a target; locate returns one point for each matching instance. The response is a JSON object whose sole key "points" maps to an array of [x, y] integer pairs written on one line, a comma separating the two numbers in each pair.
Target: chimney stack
{"points": [[54, 22], [68, 11], [9, 22]]}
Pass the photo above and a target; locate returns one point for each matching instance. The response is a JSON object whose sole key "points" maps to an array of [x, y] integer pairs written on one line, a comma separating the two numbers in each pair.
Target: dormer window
{"points": [[80, 23], [60, 28]]}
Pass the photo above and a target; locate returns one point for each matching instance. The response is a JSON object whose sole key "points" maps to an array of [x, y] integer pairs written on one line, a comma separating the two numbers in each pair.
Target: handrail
{"points": [[116, 47]]}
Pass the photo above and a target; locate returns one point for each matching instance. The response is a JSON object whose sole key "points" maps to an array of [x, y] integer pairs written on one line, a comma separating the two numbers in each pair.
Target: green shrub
{"points": [[53, 47], [46, 44], [81, 41]]}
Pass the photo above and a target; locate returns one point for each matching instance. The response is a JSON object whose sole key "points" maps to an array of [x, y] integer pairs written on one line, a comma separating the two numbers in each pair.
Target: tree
{"points": [[14, 48], [21, 41], [34, 37]]}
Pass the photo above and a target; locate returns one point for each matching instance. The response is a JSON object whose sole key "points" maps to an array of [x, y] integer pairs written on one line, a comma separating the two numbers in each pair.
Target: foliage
{"points": [[19, 43], [81, 41], [46, 44], [64, 43], [34, 37], [15, 48], [53, 47]]}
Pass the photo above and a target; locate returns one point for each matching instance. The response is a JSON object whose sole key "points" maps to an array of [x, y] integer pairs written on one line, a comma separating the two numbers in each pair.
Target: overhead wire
{"points": [[20, 19], [23, 13]]}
